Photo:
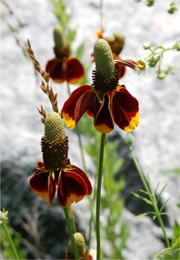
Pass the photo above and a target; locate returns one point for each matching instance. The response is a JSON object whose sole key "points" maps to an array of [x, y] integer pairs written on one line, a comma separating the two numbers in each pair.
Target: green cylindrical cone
{"points": [[103, 58], [54, 128]]}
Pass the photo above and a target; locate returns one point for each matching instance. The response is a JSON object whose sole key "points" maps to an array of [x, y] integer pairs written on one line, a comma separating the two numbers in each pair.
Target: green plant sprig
{"points": [[155, 58], [172, 7], [5, 228], [151, 197]]}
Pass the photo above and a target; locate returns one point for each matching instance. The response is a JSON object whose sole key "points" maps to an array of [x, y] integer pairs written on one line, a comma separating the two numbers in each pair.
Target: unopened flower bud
{"points": [[80, 243], [147, 45], [150, 2], [129, 139], [161, 75], [58, 34]]}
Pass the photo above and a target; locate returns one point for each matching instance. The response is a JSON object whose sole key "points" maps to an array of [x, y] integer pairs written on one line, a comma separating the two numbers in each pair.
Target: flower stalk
{"points": [[98, 195], [6, 231], [71, 235]]}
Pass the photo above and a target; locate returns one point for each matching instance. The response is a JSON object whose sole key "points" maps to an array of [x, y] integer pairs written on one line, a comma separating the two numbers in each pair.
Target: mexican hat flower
{"points": [[106, 101], [56, 173], [63, 67]]}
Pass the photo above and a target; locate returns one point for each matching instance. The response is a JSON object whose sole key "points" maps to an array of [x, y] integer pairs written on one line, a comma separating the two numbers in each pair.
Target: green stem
{"points": [[71, 235], [152, 197], [81, 148], [10, 241], [98, 198], [70, 209]]}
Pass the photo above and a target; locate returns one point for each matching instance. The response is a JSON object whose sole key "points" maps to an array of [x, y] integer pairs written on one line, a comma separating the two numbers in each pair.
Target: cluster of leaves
{"points": [[172, 252], [172, 7], [155, 58]]}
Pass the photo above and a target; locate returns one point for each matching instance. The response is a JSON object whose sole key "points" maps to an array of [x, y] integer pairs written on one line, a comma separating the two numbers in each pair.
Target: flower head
{"points": [[106, 101], [64, 67], [56, 172], [116, 42]]}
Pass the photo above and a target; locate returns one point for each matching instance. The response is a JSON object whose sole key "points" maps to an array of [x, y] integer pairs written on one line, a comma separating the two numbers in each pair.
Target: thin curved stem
{"points": [[151, 196], [10, 241], [71, 235], [98, 194]]}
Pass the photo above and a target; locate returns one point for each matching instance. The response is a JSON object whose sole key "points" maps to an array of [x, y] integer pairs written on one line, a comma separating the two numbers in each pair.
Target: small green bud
{"points": [[104, 58], [152, 61], [58, 34], [161, 75], [147, 45], [3, 215], [54, 128], [173, 8], [177, 46], [129, 139], [80, 243], [150, 2]]}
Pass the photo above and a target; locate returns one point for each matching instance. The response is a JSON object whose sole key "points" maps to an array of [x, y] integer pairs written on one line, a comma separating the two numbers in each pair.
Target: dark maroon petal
{"points": [[83, 104], [68, 110], [51, 188], [104, 119], [125, 109], [56, 69], [75, 71], [73, 185], [38, 183]]}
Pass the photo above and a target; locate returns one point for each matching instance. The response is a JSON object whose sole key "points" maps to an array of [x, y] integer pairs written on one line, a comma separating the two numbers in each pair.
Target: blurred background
{"points": [[156, 140]]}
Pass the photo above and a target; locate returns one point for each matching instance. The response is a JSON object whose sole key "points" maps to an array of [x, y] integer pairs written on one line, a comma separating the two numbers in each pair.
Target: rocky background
{"points": [[156, 140]]}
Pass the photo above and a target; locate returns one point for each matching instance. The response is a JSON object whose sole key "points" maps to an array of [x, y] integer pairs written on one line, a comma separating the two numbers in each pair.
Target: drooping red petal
{"points": [[94, 107], [75, 71], [83, 104], [125, 109], [38, 183], [73, 185], [68, 110], [56, 69], [104, 119], [51, 188]]}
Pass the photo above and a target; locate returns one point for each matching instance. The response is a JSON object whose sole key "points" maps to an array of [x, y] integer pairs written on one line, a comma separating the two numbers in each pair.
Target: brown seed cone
{"points": [[106, 84], [55, 153]]}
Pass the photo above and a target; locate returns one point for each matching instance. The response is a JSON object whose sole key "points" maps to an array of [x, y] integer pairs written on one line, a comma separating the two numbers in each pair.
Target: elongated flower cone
{"points": [[105, 77], [54, 143], [103, 58]]}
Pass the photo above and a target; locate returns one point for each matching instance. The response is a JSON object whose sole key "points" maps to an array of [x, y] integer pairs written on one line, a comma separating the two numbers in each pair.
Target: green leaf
{"points": [[142, 198], [80, 51], [164, 252], [172, 171], [71, 36], [164, 204], [159, 195], [146, 214]]}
